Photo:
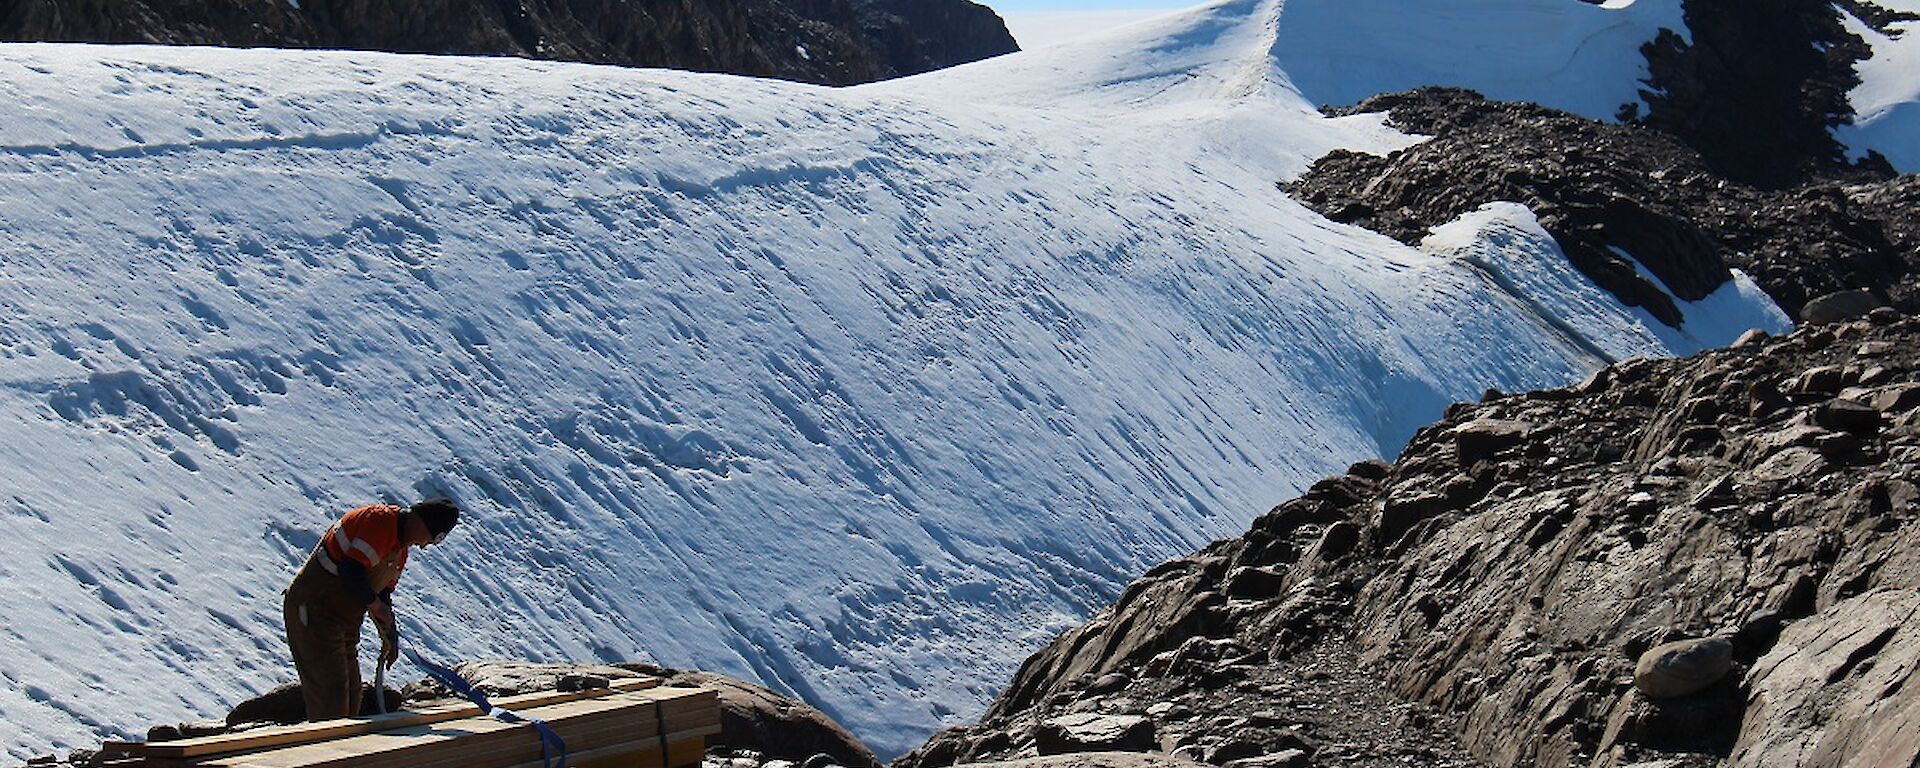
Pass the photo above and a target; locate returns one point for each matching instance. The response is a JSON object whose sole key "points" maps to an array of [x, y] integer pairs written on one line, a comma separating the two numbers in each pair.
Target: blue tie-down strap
{"points": [[553, 750]]}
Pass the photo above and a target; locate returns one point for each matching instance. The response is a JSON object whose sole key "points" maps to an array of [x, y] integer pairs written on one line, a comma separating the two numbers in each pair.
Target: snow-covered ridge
{"points": [[861, 393], [1886, 103]]}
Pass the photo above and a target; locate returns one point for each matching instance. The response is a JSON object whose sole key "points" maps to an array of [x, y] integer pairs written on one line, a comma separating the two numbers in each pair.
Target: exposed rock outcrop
{"points": [[833, 42], [773, 727], [1840, 688], [1609, 191], [1095, 760], [1759, 87], [1504, 583]]}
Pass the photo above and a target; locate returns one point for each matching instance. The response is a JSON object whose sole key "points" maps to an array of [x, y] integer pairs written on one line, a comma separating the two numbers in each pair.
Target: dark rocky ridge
{"points": [[844, 41], [1760, 87], [1880, 19], [1502, 578], [1597, 187]]}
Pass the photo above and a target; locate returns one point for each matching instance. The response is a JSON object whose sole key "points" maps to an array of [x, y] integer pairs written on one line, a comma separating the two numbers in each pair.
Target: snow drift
{"points": [[859, 393], [1886, 103]]}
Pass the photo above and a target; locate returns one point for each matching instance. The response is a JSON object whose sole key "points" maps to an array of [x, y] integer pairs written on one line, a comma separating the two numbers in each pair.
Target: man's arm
{"points": [[379, 606], [353, 575]]}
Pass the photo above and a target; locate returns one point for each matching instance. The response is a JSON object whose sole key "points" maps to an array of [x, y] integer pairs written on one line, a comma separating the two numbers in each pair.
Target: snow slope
{"points": [[1575, 56], [1886, 103], [1039, 29], [860, 393]]}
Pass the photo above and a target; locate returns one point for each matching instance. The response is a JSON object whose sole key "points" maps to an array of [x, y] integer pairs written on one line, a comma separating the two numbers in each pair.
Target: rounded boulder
{"points": [[1684, 667]]}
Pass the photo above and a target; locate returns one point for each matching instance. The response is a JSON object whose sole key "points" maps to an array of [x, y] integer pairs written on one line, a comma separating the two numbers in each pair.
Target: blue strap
{"points": [[553, 750]]}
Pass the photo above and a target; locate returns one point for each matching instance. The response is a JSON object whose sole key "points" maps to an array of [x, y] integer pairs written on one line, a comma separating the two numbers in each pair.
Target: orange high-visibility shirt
{"points": [[371, 536]]}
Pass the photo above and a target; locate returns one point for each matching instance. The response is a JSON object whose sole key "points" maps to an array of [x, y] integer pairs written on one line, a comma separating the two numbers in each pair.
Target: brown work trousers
{"points": [[323, 631]]}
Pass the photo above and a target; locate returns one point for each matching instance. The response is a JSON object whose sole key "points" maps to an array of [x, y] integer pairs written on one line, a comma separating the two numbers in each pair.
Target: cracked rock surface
{"points": [[1485, 599]]}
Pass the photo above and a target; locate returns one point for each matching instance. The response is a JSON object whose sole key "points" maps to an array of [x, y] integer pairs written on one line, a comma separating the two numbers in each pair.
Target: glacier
{"points": [[859, 393]]}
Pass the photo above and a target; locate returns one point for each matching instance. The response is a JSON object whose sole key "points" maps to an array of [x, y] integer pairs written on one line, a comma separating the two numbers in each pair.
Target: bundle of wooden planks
{"points": [[633, 723]]}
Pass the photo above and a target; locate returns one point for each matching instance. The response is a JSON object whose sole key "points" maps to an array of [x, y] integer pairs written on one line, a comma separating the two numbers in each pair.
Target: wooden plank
{"points": [[526, 751], [683, 749], [478, 735], [680, 754], [267, 738], [375, 749], [624, 717], [593, 736], [281, 736], [478, 744], [676, 699], [632, 727]]}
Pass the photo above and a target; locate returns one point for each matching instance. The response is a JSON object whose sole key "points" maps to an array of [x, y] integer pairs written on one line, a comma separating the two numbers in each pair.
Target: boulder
{"points": [[186, 730], [1683, 667], [1401, 512], [511, 678], [1108, 683], [1285, 758], [1094, 760], [280, 705], [1094, 733], [757, 719], [1371, 469], [1821, 380], [284, 705], [1898, 399], [1848, 416], [1255, 582], [1840, 306], [1483, 438]]}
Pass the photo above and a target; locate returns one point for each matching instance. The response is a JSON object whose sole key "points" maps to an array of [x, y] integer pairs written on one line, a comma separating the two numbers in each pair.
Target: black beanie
{"points": [[440, 515]]}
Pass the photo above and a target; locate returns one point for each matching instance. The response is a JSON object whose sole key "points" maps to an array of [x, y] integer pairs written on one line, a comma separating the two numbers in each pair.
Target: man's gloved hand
{"points": [[389, 651], [389, 633]]}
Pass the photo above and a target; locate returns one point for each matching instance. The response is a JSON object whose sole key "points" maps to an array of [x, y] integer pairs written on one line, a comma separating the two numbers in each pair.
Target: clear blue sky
{"points": [[1016, 6]]}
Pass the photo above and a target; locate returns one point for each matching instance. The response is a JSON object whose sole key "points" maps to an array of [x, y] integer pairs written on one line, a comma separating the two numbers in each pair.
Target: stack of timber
{"points": [[633, 723]]}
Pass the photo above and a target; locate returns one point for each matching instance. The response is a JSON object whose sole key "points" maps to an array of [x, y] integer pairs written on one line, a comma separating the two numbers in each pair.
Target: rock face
{"points": [[1500, 609], [774, 727], [834, 42], [1095, 760], [1821, 696], [1759, 86], [1602, 190], [1094, 733]]}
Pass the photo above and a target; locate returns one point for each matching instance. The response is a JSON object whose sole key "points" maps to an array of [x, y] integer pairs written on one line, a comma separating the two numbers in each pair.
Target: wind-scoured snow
{"points": [[1575, 56], [1886, 103], [1039, 29], [860, 393], [1512, 251]]}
